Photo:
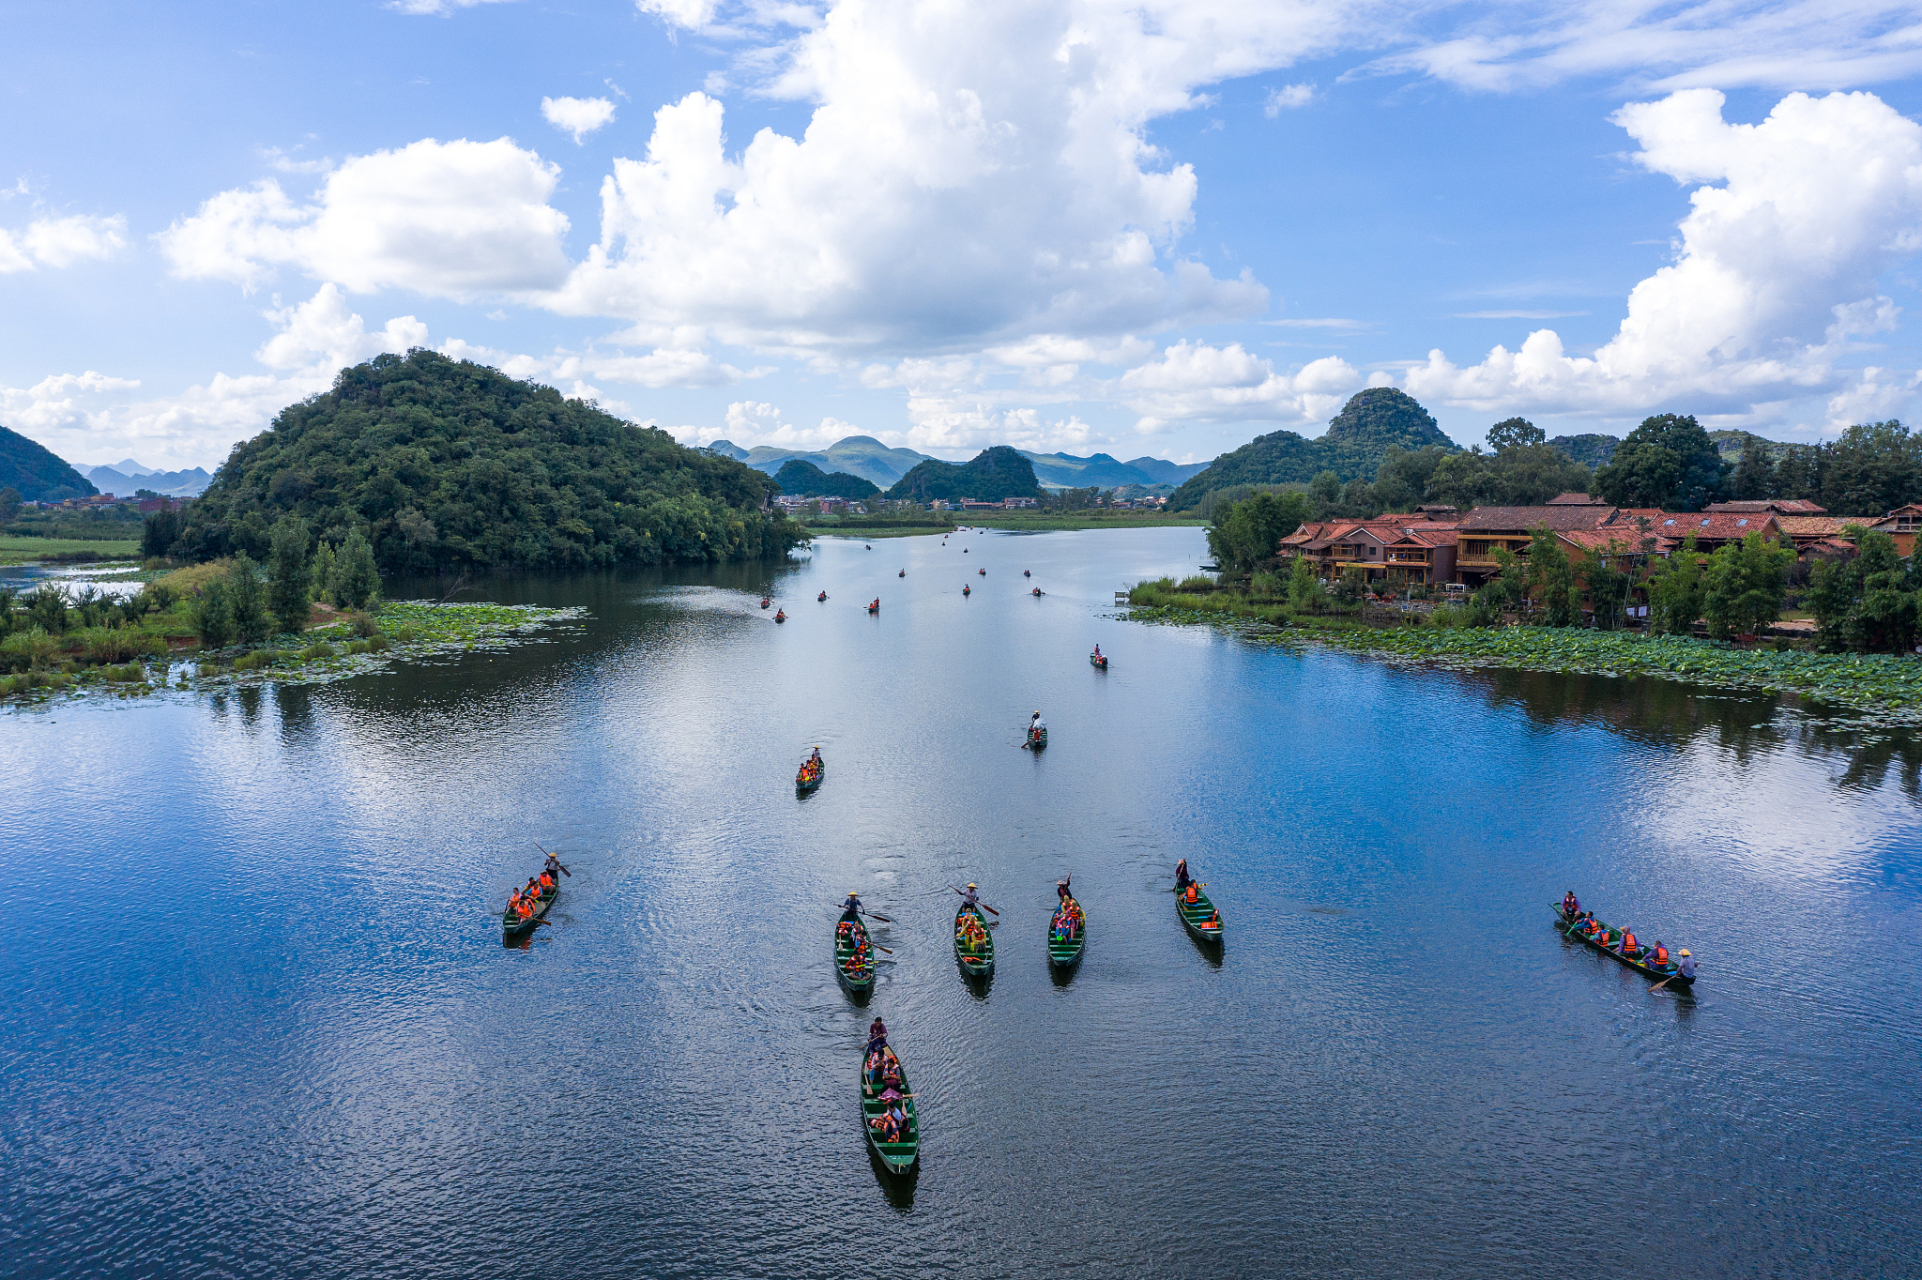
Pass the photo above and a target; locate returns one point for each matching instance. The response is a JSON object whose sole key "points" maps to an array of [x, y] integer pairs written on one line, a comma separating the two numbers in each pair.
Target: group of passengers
{"points": [[1621, 941], [1068, 920], [812, 766], [522, 905], [860, 953], [969, 933], [882, 1078]]}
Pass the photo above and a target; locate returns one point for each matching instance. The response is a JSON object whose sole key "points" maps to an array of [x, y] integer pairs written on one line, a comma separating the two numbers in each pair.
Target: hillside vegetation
{"points": [[805, 480], [1352, 448], [990, 476], [442, 463], [35, 474]]}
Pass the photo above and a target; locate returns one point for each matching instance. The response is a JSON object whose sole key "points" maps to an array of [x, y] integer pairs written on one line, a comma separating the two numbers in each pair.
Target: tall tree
{"points": [[1675, 591], [1745, 585], [1799, 473], [1551, 582], [1872, 468], [1608, 584], [1515, 433], [1667, 462], [356, 581], [248, 599], [1247, 535], [1755, 474], [291, 574]]}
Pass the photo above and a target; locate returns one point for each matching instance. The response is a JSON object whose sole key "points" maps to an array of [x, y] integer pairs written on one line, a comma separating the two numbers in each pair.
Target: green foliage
{"points": [[444, 463], [291, 579], [1515, 433], [9, 503], [1304, 589], [1676, 592], [247, 597], [805, 480], [37, 475], [1521, 475], [213, 615], [1745, 586], [1872, 468], [159, 533], [47, 609], [1592, 449], [1505, 592], [990, 476], [1555, 598], [1667, 462], [1352, 585], [320, 580], [1246, 535], [1755, 474], [1608, 586], [355, 581], [1353, 447], [1869, 604]]}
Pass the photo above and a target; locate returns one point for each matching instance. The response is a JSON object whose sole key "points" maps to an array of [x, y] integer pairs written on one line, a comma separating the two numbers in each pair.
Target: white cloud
{"points": [[1287, 97], [326, 330], [437, 7], [1776, 270], [577, 116], [692, 14], [1193, 381], [61, 242], [457, 219], [753, 422]]}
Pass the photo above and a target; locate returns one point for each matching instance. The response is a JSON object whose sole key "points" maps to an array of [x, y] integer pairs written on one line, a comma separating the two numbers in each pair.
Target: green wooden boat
{"points": [[808, 779], [857, 977], [1065, 952], [1037, 739], [896, 1157], [1610, 939], [512, 926], [1200, 918], [975, 963]]}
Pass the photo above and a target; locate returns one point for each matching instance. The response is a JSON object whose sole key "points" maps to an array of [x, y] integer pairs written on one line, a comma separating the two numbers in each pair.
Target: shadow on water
{"points": [[977, 984], [897, 1187], [1062, 975]]}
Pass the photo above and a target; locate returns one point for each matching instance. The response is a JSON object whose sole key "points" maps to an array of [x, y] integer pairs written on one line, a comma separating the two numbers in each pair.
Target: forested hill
{"points": [[447, 463], [989, 476], [1352, 447], [35, 474]]}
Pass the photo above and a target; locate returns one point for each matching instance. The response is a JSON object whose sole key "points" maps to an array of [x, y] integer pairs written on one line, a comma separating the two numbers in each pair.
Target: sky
{"points": [[1158, 228]]}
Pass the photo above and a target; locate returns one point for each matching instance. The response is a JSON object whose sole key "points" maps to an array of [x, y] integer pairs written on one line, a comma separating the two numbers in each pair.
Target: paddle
{"points": [[557, 861], [1663, 983], [978, 902], [869, 914]]}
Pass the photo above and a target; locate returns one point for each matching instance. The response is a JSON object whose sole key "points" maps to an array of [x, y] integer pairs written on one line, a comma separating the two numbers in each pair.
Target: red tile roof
{"points": [[1575, 500], [1523, 519]]}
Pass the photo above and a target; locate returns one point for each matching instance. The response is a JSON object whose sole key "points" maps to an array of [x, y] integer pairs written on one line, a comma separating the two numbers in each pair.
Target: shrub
{"points": [[313, 652], [365, 627], [209, 668], [100, 646], [1196, 582], [406, 635]]}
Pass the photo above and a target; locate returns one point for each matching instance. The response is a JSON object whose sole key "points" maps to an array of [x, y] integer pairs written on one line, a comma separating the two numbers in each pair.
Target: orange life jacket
{"points": [[1628, 941], [547, 882], [1661, 954], [1193, 893]]}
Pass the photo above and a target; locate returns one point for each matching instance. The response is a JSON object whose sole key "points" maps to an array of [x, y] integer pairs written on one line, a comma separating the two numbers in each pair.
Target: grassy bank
{"points": [[1038, 521], [1882, 689], [30, 550], [161, 651]]}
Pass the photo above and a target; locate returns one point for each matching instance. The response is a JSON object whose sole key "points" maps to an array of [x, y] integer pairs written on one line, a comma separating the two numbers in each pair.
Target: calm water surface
{"points": [[258, 1020]]}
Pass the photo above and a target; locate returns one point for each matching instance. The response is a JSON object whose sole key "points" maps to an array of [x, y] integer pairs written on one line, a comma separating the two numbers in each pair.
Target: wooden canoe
{"points": [[1606, 942], [857, 978], [512, 926], [976, 964], [1199, 918], [806, 781], [1065, 953], [896, 1157], [1036, 741]]}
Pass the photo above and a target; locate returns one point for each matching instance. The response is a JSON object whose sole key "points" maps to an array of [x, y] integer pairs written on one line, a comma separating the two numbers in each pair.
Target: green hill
{"points": [[448, 463], [805, 480], [1592, 449], [990, 476], [34, 473], [1352, 447]]}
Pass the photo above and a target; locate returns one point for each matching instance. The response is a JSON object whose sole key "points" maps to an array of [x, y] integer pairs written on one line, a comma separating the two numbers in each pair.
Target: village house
{"points": [[1399, 549], [1486, 530], [1901, 524]]}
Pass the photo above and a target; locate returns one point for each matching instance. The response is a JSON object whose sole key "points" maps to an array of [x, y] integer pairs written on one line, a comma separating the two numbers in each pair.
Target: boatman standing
{"points": [[853, 903], [1181, 875], [1061, 889], [1036, 727], [970, 897], [553, 868]]}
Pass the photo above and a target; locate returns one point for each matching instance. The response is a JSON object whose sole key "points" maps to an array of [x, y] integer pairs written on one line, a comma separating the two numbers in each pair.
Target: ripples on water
{"points": [[260, 1022]]}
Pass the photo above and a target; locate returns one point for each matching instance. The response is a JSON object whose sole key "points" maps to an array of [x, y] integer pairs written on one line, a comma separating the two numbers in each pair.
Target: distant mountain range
{"points": [[125, 477], [868, 458]]}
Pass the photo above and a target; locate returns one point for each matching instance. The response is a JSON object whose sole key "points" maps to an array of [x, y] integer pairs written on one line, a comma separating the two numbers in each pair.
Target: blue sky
{"points": [[1154, 229]]}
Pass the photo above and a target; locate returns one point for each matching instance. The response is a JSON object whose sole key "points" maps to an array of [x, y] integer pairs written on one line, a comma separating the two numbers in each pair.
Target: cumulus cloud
{"points": [[1287, 97], [692, 14], [1193, 381], [450, 219], [326, 330], [1775, 272], [755, 422], [577, 116], [61, 242]]}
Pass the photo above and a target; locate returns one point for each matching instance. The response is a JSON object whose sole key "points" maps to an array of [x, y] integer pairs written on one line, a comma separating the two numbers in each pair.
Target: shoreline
{"points": [[1873, 690]]}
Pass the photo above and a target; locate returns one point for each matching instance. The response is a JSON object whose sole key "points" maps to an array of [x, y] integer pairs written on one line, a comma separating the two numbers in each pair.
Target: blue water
{"points": [[258, 1019]]}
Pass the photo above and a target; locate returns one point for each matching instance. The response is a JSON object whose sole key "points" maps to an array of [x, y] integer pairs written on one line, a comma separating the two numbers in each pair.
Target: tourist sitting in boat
{"points": [[1570, 907], [533, 889], [822, 596], [888, 1124], [1629, 946], [1594, 928], [547, 884], [890, 1070], [1659, 957], [1192, 895], [843, 929], [523, 906], [1181, 875]]}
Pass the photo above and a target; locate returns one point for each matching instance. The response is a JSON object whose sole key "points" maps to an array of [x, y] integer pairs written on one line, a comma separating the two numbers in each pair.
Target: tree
{"points": [[1512, 433], [9, 503], [1745, 584], [1608, 585], [1872, 468], [321, 580], [1551, 582], [1247, 535], [1304, 589], [1754, 476], [1325, 488], [291, 574], [1675, 592], [1667, 462], [1506, 591], [1882, 614], [356, 581], [1799, 473], [213, 615], [248, 599], [159, 532]]}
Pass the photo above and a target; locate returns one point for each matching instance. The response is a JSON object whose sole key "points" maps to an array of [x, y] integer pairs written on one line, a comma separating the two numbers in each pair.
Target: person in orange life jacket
{"points": [[547, 883], [1570, 906], [1193, 895], [1629, 946], [1661, 955]]}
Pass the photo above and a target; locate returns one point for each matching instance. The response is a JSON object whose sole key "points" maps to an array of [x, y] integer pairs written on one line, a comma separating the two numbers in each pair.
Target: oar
{"points": [[978, 902], [557, 861], [1663, 983]]}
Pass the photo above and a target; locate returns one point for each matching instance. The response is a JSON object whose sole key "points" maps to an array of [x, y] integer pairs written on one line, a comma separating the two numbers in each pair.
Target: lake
{"points": [[259, 1019]]}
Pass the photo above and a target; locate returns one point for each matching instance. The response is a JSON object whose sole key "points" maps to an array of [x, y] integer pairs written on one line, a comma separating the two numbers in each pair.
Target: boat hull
{"points": [[976, 964], [1195, 915], [1065, 953], [896, 1157], [858, 981], [1670, 975]]}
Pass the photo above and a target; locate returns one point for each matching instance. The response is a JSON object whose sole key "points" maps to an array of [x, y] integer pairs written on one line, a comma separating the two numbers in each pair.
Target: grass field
{"points": [[28, 550]]}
